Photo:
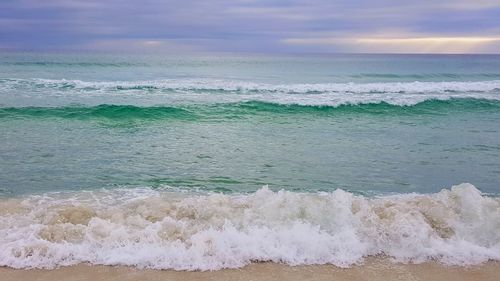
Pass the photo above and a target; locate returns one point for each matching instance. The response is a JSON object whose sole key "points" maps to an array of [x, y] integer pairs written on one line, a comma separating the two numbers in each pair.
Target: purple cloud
{"points": [[243, 25]]}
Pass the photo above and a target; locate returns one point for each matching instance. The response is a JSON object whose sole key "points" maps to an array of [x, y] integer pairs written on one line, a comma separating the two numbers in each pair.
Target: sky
{"points": [[273, 26]]}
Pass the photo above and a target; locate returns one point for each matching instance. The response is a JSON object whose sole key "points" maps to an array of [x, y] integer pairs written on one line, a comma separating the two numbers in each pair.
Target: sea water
{"points": [[215, 161]]}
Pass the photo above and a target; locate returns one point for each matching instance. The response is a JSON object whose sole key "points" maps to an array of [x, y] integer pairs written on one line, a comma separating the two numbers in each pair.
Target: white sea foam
{"points": [[211, 90], [229, 85], [161, 229]]}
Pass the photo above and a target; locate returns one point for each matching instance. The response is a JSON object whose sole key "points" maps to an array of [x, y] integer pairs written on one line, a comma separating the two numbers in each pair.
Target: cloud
{"points": [[249, 25], [405, 44], [135, 45]]}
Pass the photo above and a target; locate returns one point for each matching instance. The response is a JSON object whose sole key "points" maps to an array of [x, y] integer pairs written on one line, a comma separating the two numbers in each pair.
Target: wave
{"points": [[111, 112], [425, 76], [176, 63], [72, 64], [242, 86], [184, 231], [244, 109], [208, 91]]}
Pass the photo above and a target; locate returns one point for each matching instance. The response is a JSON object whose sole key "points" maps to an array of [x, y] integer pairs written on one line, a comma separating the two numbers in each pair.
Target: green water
{"points": [[360, 123]]}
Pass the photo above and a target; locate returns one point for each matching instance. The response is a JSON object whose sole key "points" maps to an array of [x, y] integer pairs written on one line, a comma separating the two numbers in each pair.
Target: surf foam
{"points": [[185, 231], [224, 91]]}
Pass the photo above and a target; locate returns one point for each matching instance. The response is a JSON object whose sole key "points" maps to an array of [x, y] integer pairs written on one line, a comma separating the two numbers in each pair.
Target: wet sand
{"points": [[372, 270]]}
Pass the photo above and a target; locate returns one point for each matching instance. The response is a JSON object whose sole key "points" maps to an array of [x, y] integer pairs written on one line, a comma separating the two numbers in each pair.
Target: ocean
{"points": [[204, 162]]}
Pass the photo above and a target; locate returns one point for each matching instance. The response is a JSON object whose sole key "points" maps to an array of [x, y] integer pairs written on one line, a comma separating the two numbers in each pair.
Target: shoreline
{"points": [[373, 269]]}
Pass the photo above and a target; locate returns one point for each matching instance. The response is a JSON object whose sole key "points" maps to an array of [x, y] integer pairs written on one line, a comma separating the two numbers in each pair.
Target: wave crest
{"points": [[203, 91], [165, 230], [243, 86]]}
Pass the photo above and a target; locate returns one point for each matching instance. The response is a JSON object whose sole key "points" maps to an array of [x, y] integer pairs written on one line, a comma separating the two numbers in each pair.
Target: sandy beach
{"points": [[372, 269]]}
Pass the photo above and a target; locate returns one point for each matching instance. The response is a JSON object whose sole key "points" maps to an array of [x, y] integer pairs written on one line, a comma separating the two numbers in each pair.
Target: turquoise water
{"points": [[208, 162], [357, 122]]}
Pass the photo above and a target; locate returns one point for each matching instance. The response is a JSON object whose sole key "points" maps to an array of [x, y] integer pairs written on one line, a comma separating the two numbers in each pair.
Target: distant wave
{"points": [[203, 91], [244, 109], [242, 86], [184, 231], [176, 63], [73, 64], [424, 76]]}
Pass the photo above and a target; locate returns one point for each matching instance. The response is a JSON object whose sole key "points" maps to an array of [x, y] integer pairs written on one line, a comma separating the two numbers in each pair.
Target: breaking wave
{"points": [[185, 231], [189, 91], [243, 86]]}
